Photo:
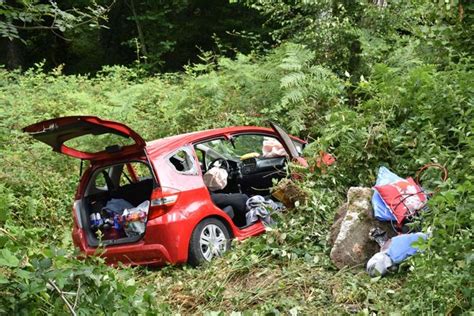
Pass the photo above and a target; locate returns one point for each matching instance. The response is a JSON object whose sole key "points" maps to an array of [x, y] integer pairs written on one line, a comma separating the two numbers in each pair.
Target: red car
{"points": [[181, 222]]}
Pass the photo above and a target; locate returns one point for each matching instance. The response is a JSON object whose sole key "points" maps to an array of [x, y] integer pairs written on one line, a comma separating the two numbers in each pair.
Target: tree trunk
{"points": [[13, 50], [460, 11], [141, 36], [13, 56]]}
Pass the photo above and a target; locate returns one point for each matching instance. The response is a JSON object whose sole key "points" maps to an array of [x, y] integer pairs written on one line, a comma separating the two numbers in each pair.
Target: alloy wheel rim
{"points": [[212, 242]]}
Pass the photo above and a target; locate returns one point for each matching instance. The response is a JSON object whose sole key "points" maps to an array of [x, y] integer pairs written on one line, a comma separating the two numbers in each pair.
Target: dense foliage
{"points": [[389, 85], [88, 34]]}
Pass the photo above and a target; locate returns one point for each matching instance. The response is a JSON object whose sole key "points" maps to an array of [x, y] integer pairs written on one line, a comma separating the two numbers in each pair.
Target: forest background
{"points": [[374, 83]]}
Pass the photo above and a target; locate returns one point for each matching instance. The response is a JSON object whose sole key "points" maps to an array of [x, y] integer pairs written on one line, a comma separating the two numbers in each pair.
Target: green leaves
{"points": [[6, 200], [7, 259], [31, 15]]}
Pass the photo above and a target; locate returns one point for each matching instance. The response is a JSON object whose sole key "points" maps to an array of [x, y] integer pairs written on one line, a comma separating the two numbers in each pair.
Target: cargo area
{"points": [[116, 202]]}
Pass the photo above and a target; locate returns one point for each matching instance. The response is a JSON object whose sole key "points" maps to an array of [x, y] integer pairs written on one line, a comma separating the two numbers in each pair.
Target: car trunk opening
{"points": [[115, 204]]}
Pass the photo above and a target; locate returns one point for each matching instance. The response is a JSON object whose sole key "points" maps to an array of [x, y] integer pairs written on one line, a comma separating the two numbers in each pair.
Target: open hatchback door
{"points": [[289, 145], [87, 137]]}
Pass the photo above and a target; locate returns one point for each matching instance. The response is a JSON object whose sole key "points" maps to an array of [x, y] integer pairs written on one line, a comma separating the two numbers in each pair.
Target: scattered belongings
{"points": [[135, 219], [392, 252], [259, 208], [118, 218], [349, 235], [396, 199], [289, 193], [396, 202], [381, 210], [399, 200]]}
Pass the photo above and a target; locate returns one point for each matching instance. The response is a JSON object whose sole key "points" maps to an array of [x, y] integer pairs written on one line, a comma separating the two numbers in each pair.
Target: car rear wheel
{"points": [[210, 239]]}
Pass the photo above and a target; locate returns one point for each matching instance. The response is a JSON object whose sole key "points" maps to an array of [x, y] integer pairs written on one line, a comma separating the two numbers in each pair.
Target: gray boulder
{"points": [[349, 235]]}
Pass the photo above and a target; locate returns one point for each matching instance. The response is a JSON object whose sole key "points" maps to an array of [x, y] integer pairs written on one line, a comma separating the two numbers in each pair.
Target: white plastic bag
{"points": [[135, 219]]}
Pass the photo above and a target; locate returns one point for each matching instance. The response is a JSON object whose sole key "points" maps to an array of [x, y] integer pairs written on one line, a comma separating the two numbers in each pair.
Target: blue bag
{"points": [[401, 247], [381, 211]]}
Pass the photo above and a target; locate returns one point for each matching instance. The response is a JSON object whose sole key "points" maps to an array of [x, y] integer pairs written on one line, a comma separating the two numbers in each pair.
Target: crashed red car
{"points": [[182, 223]]}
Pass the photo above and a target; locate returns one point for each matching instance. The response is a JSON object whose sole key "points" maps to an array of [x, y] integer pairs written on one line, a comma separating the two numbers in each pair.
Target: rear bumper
{"points": [[166, 240], [138, 253]]}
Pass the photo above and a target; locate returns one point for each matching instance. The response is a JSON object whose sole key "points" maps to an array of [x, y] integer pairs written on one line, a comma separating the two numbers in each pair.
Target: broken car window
{"points": [[183, 161]]}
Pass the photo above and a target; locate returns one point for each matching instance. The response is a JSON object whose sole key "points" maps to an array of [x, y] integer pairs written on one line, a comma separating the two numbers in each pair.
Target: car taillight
{"points": [[162, 199]]}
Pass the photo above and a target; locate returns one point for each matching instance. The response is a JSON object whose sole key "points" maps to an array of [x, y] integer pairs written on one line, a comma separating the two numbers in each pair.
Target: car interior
{"points": [[253, 163], [131, 182]]}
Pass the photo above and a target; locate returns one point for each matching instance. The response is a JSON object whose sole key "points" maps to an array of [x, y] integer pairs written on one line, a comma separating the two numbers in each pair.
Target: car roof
{"points": [[167, 144]]}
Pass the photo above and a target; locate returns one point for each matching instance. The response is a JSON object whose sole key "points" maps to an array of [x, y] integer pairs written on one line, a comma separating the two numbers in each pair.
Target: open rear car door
{"points": [[63, 134], [290, 147]]}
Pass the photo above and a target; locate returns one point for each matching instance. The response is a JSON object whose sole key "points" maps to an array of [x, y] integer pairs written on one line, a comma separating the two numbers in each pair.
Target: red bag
{"points": [[404, 198]]}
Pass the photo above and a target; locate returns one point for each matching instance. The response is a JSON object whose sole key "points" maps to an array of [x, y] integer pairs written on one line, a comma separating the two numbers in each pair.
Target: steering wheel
{"points": [[224, 164]]}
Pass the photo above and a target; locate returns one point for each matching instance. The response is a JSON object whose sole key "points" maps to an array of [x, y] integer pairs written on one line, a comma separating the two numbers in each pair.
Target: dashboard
{"points": [[255, 175], [257, 165], [252, 175]]}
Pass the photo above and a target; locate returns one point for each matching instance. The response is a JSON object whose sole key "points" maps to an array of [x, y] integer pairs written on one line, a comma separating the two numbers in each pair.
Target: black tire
{"points": [[203, 246]]}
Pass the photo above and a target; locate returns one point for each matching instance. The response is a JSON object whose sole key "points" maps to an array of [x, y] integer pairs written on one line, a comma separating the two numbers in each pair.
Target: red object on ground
{"points": [[403, 198], [322, 161], [325, 159]]}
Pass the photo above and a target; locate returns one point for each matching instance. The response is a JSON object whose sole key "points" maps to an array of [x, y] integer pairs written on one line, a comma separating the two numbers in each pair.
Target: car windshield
{"points": [[219, 148], [240, 146]]}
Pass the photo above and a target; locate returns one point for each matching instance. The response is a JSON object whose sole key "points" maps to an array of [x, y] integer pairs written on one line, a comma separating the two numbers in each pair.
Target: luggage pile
{"points": [[119, 219]]}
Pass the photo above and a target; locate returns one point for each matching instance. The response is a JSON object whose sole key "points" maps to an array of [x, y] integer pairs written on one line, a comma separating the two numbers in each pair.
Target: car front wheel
{"points": [[210, 239]]}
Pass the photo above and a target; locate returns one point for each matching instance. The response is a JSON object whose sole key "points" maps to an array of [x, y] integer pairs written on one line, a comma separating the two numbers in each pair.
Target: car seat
{"points": [[229, 210]]}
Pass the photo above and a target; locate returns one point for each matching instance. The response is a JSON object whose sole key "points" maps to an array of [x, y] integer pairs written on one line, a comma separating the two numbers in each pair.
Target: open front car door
{"points": [[289, 145]]}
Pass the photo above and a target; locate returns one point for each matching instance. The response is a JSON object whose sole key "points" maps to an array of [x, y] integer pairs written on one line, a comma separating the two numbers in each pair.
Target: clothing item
{"points": [[116, 206], [215, 178], [400, 247], [259, 208], [378, 265], [393, 252], [236, 200]]}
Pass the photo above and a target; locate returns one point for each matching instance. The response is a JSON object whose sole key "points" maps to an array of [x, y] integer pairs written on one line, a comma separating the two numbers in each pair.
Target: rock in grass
{"points": [[349, 235]]}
